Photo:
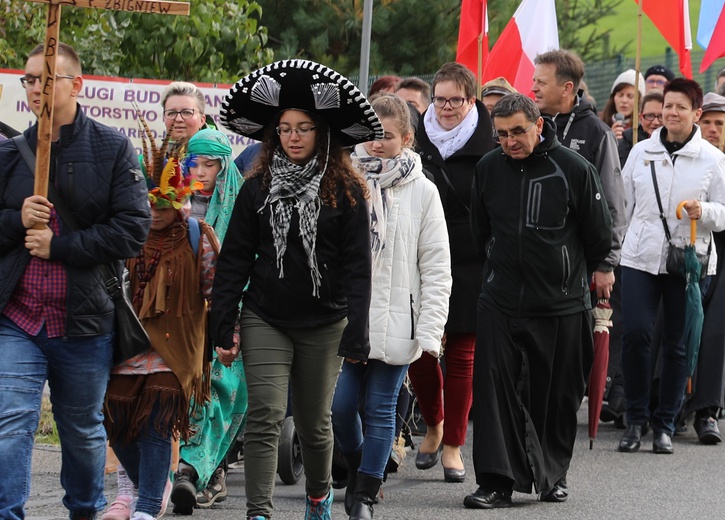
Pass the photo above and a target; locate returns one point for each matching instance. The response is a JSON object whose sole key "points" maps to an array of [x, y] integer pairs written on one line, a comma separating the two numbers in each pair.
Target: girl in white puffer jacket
{"points": [[410, 290]]}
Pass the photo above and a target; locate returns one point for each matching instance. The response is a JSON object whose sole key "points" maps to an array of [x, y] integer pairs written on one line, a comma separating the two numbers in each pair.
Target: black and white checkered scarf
{"points": [[295, 186], [380, 175]]}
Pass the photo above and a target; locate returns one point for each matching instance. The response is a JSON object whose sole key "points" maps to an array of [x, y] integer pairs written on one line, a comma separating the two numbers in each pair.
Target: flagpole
{"points": [[367, 28], [480, 66], [637, 66]]}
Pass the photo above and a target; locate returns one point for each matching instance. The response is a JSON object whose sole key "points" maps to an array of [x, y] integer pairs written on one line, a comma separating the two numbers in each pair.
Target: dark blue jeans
{"points": [[376, 385], [147, 460], [77, 370], [641, 295]]}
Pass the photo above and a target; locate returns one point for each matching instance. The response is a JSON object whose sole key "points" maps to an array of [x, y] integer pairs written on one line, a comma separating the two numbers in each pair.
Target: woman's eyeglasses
{"points": [[651, 117], [455, 102], [302, 131], [186, 113]]}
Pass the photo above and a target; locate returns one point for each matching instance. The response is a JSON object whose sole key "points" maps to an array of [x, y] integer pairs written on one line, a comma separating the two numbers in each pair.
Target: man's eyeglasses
{"points": [[651, 117], [286, 131], [455, 102], [28, 81], [656, 82], [502, 135], [186, 113]]}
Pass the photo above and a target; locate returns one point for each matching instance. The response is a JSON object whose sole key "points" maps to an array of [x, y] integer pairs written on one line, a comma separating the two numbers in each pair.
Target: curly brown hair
{"points": [[339, 172]]}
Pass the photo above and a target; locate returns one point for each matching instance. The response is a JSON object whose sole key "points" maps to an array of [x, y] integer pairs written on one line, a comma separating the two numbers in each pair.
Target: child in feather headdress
{"points": [[149, 396]]}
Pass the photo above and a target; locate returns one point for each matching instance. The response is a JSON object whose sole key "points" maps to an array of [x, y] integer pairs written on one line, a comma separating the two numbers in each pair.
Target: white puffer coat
{"points": [[698, 172], [412, 283]]}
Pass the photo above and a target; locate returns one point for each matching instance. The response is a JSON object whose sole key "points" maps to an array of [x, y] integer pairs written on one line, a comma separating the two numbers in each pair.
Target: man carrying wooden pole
{"points": [[52, 37]]}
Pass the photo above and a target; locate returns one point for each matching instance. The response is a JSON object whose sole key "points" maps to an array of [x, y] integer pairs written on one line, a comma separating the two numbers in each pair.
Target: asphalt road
{"points": [[604, 484]]}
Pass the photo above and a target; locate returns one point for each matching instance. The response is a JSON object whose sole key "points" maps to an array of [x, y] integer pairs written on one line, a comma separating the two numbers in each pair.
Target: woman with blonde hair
{"points": [[410, 291]]}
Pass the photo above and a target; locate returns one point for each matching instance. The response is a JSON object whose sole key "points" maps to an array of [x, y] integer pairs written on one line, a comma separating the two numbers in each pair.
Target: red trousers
{"points": [[450, 399]]}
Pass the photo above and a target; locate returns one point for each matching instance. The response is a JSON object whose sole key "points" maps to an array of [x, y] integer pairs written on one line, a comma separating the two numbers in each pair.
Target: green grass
{"points": [[624, 29], [47, 431]]}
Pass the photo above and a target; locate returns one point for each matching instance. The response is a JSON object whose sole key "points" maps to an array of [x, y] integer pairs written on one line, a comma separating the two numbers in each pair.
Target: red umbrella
{"points": [[602, 313]]}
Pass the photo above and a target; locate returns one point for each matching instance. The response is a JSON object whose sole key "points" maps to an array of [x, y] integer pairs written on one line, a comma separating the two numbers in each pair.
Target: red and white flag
{"points": [[473, 24], [672, 19], [711, 31], [531, 31]]}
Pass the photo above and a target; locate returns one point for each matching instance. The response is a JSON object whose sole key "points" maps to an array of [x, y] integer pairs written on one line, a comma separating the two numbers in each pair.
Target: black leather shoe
{"points": [[632, 438], [487, 499], [559, 493], [662, 443], [454, 475], [707, 430], [428, 460]]}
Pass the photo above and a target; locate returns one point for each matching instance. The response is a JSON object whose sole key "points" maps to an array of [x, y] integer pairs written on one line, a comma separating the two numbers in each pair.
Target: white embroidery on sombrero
{"points": [[357, 131], [244, 125], [266, 91], [327, 95]]}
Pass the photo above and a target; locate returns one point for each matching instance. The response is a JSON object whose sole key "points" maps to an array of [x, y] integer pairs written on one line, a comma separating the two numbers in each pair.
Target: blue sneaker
{"points": [[256, 518], [319, 509]]}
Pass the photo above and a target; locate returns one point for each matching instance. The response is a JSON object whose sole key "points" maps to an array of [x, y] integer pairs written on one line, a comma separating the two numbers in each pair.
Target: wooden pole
{"points": [[637, 66], [50, 53], [47, 97]]}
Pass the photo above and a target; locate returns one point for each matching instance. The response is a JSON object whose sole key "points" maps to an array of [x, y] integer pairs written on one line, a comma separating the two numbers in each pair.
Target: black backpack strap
{"points": [[24, 148], [68, 218]]}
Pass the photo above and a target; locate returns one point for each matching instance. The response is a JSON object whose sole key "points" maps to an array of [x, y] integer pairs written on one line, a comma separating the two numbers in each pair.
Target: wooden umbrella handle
{"points": [[693, 222]]}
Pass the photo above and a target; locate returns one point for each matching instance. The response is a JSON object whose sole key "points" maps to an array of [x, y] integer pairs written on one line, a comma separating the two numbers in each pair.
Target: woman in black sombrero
{"points": [[299, 236]]}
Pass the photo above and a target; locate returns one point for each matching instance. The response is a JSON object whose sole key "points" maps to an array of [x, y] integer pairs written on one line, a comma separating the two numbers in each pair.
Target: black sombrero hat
{"points": [[255, 100]]}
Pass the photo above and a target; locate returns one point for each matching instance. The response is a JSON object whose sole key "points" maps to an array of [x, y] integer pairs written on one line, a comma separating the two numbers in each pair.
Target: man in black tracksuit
{"points": [[540, 220]]}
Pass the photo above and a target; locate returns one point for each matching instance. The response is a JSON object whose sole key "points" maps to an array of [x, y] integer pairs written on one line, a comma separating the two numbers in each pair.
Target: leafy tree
{"points": [[408, 36], [224, 39], [412, 36], [220, 40]]}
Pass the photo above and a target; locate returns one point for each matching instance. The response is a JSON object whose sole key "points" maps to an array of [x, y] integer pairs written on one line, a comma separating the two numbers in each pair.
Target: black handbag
{"points": [[131, 338], [675, 263]]}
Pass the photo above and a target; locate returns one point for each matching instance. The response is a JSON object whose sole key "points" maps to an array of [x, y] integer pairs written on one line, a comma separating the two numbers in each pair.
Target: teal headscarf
{"points": [[213, 144]]}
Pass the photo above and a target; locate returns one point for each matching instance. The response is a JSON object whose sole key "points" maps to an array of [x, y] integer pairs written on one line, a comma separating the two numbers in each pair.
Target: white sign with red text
{"points": [[110, 101]]}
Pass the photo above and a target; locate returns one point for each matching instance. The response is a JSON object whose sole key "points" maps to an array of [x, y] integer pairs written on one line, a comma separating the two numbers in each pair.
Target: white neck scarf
{"points": [[449, 142]]}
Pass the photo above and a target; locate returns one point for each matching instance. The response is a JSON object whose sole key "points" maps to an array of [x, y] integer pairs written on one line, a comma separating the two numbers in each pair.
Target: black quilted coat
{"points": [[96, 172]]}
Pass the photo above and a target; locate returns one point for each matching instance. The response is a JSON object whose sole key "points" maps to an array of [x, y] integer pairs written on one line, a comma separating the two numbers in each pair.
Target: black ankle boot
{"points": [[366, 494], [352, 461]]}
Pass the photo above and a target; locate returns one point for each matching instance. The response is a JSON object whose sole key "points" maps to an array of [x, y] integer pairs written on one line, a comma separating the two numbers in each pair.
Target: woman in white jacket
{"points": [[686, 168], [410, 290]]}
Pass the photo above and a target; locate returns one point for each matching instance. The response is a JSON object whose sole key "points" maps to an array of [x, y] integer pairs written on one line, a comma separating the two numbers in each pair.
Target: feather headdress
{"points": [[169, 185]]}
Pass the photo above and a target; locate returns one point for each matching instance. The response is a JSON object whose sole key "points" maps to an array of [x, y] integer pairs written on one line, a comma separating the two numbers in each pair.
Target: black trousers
{"points": [[528, 383]]}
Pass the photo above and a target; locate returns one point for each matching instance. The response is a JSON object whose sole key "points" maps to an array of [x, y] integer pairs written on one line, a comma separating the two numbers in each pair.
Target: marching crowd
{"points": [[418, 233]]}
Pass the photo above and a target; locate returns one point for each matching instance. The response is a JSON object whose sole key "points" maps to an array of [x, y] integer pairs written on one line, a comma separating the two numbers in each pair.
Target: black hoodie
{"points": [[582, 131], [542, 225]]}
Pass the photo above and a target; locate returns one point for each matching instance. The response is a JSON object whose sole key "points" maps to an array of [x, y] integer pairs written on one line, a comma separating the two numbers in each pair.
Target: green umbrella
{"points": [[694, 315]]}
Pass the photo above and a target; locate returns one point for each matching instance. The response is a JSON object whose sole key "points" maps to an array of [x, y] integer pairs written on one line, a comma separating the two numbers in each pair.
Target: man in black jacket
{"points": [[56, 317], [556, 89], [557, 78], [539, 218]]}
